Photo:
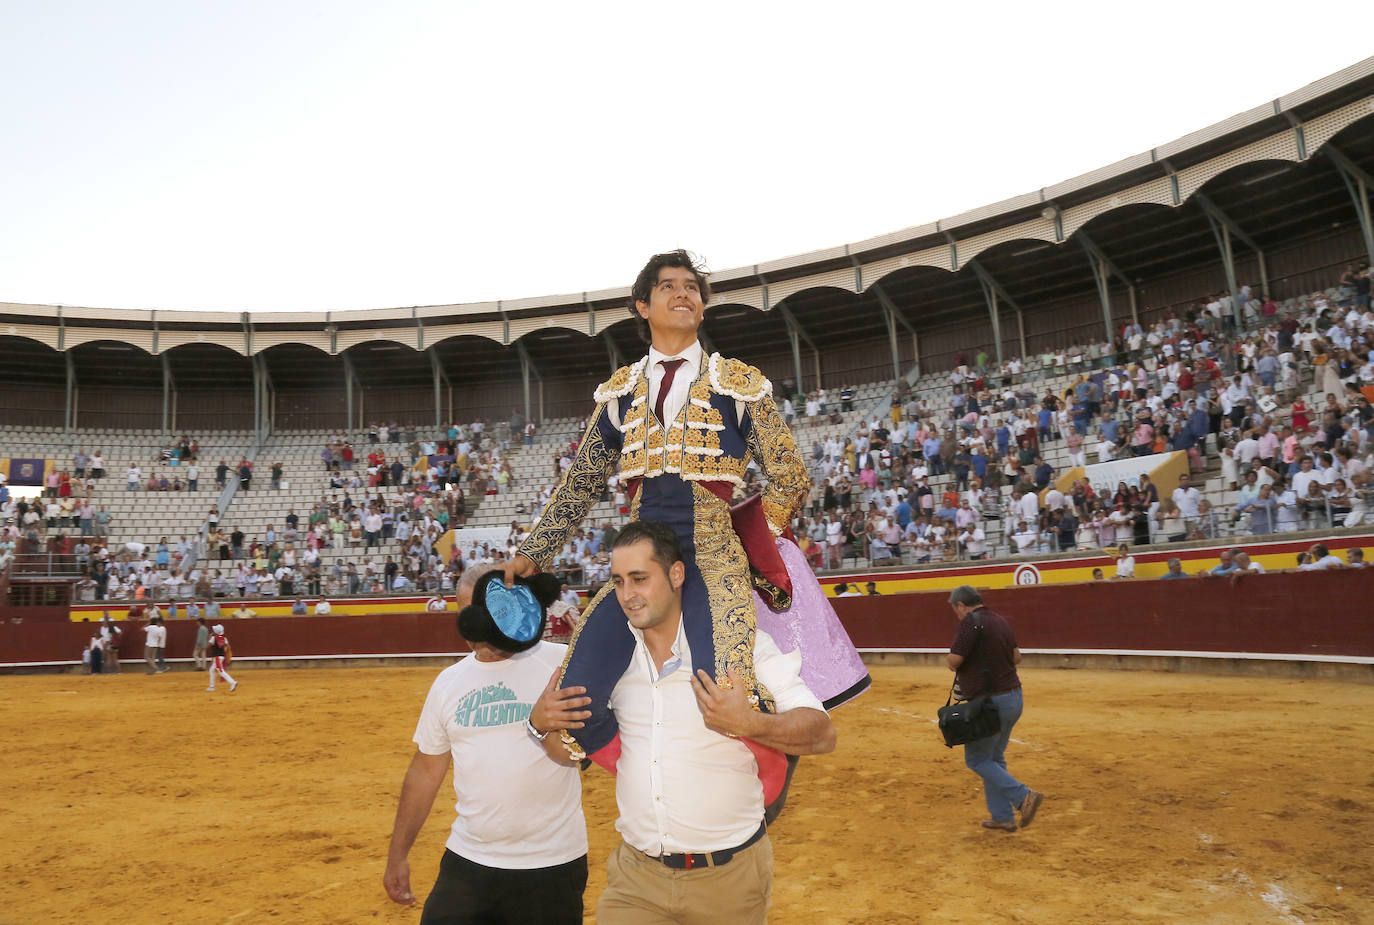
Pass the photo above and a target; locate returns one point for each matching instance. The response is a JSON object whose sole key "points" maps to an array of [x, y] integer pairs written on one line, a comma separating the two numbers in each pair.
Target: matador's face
{"points": [[675, 305]]}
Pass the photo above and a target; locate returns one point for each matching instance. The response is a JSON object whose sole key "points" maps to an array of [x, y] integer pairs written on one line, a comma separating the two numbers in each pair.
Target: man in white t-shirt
{"points": [[154, 640], [1187, 498], [517, 853]]}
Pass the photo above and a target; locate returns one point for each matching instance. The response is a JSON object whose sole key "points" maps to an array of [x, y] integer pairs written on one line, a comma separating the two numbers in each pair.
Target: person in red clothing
{"points": [[221, 654]]}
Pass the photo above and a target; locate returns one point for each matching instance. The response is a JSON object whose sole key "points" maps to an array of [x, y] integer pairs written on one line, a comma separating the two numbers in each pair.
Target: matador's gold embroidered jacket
{"points": [[728, 419]]}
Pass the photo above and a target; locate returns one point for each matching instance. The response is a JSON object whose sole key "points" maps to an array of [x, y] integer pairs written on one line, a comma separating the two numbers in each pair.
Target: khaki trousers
{"points": [[641, 891]]}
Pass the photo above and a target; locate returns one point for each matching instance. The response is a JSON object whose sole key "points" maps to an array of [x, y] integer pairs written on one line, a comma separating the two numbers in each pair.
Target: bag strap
{"points": [[987, 672]]}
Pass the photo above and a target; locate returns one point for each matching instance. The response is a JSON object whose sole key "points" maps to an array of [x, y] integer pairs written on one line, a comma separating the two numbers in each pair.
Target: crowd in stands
{"points": [[1184, 383], [967, 469]]}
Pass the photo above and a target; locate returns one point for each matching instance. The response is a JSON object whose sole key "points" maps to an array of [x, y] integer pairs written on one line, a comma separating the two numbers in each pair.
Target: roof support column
{"points": [[69, 417], [612, 351], [1358, 183], [269, 400], [798, 334], [1228, 230], [526, 371], [1223, 236], [1104, 297], [257, 398], [168, 389], [992, 290], [894, 317], [350, 377], [1103, 267], [263, 397], [892, 344], [795, 338], [990, 296], [437, 371]]}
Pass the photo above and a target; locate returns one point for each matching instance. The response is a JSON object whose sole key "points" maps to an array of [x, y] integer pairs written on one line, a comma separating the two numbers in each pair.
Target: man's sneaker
{"points": [[1030, 806], [1008, 826], [232, 685], [210, 689]]}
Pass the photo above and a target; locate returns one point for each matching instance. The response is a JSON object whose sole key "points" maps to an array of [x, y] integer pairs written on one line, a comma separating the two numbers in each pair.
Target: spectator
{"points": [[1225, 566], [1125, 562], [1175, 567], [1263, 510], [1323, 559], [1188, 500]]}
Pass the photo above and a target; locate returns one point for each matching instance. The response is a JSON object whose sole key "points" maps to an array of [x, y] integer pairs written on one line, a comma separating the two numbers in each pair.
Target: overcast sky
{"points": [[309, 155]]}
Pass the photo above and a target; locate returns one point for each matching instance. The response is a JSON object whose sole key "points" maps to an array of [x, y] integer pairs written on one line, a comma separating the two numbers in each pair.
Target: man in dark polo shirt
{"points": [[984, 657]]}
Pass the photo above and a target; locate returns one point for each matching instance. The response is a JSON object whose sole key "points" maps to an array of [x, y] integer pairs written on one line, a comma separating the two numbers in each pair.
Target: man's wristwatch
{"points": [[529, 726]]}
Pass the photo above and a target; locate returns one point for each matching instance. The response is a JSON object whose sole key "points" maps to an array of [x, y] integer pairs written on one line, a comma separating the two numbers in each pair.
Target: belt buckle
{"points": [[687, 863]]}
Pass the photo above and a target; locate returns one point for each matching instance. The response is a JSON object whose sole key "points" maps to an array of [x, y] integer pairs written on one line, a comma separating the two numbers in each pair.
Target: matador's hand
{"points": [[521, 565], [559, 709], [725, 707]]}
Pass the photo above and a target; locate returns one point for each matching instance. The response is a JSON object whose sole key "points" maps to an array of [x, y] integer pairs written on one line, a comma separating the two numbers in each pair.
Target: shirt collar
{"points": [[680, 650], [692, 355]]}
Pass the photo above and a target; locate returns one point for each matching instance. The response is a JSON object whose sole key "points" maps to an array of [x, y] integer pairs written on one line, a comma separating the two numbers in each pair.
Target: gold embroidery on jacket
{"points": [[580, 488], [720, 559], [737, 379], [772, 445]]}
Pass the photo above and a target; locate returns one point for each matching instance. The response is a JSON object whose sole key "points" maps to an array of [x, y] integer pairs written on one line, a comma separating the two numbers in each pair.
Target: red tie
{"points": [[669, 371]]}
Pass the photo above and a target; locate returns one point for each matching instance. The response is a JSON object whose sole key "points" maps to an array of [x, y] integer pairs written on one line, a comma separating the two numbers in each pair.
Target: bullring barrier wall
{"points": [[1294, 617]]}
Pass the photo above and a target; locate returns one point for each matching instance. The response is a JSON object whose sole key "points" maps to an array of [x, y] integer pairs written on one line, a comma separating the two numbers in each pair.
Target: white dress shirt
{"points": [[682, 381], [682, 384], [679, 786]]}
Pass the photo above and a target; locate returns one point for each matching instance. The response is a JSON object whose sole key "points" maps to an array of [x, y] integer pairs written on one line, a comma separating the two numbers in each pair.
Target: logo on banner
{"points": [[1026, 575]]}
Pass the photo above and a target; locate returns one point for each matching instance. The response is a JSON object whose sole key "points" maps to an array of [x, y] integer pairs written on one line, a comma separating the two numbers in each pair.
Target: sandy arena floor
{"points": [[140, 799]]}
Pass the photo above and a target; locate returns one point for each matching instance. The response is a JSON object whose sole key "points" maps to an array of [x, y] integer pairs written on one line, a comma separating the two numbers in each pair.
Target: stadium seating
{"points": [[144, 517]]}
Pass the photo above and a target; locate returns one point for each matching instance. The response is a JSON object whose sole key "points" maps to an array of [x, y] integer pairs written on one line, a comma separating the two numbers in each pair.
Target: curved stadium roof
{"points": [[1272, 171]]}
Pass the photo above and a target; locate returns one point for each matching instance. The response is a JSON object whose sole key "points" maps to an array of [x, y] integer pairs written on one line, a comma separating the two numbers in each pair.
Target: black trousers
{"points": [[466, 893]]}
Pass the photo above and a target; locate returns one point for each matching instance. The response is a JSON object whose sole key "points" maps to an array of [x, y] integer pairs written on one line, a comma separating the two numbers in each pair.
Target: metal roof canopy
{"points": [[1271, 202]]}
